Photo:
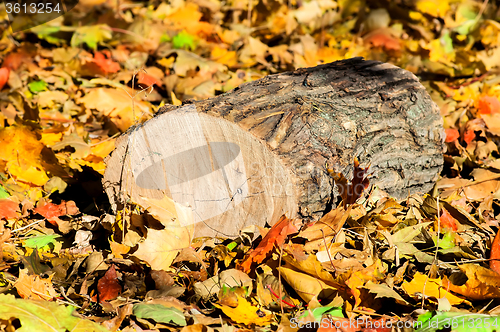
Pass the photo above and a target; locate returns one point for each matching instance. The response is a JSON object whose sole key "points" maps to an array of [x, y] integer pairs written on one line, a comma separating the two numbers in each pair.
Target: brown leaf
{"points": [[350, 192], [108, 286]]}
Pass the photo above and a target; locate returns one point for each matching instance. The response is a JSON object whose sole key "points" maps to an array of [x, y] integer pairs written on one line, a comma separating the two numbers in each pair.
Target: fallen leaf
{"points": [[51, 210], [108, 286], [495, 254], [34, 287], [43, 316], [162, 246], [276, 236], [246, 313], [4, 76], [8, 209], [430, 288], [447, 221], [451, 135], [106, 64], [481, 284], [488, 105]]}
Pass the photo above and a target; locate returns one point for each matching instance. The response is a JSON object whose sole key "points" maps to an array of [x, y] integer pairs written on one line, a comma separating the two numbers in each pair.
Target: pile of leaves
{"points": [[69, 87]]}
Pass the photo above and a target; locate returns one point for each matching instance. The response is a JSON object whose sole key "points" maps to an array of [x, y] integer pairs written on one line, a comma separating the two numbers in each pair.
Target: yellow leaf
{"points": [[433, 8], [51, 138], [482, 283], [104, 148], [246, 313], [21, 149], [431, 288], [30, 174], [117, 104]]}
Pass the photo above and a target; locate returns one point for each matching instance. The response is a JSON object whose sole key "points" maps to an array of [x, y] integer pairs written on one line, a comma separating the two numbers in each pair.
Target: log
{"points": [[262, 150]]}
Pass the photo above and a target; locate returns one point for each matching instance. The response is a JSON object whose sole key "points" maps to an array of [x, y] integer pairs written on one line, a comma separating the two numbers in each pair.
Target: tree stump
{"points": [[262, 150]]}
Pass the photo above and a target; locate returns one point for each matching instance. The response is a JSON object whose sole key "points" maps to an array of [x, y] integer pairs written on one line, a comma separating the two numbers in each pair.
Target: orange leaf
{"points": [[276, 235], [14, 60], [469, 135], [488, 105], [447, 221], [51, 210], [105, 64], [4, 76], [451, 135], [383, 38], [148, 80], [8, 209], [108, 286], [495, 254]]}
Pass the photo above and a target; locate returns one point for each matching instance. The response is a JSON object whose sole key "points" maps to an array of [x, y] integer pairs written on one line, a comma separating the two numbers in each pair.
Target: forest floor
{"points": [[70, 87]]}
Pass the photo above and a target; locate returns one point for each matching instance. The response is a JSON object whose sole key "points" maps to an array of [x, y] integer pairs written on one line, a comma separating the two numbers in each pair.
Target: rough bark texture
{"points": [[320, 117]]}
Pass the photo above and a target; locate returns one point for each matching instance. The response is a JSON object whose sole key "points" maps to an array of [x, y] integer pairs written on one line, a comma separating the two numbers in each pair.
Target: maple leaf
{"points": [[495, 254], [103, 61], [451, 135], [21, 150], [8, 209], [4, 76], [430, 288], [447, 221], [246, 313], [488, 105], [160, 253], [108, 286], [350, 192], [34, 287], [91, 35], [276, 236]]}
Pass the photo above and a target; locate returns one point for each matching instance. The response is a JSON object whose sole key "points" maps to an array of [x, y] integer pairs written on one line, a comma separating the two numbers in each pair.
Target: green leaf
{"points": [[159, 313], [40, 241], [37, 86], [3, 192], [447, 42], [184, 40], [165, 38], [319, 312], [232, 245], [458, 322], [91, 35], [44, 316], [45, 32], [447, 242]]}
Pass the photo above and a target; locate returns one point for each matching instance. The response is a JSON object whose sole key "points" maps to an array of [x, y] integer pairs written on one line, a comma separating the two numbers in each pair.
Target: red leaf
{"points": [[495, 254], [469, 135], [105, 64], [447, 221], [8, 209], [276, 235], [4, 76], [383, 38], [148, 80], [51, 210], [451, 135], [108, 286], [488, 105], [14, 60], [350, 192]]}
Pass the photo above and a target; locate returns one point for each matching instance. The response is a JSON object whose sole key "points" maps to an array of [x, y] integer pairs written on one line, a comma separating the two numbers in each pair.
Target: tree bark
{"points": [[262, 150]]}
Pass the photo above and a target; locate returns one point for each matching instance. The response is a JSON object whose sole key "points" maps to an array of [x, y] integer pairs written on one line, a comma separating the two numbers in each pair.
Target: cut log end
{"points": [[262, 150]]}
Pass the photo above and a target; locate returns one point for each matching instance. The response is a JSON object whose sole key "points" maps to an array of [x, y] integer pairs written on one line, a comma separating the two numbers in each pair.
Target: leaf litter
{"points": [[67, 90]]}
